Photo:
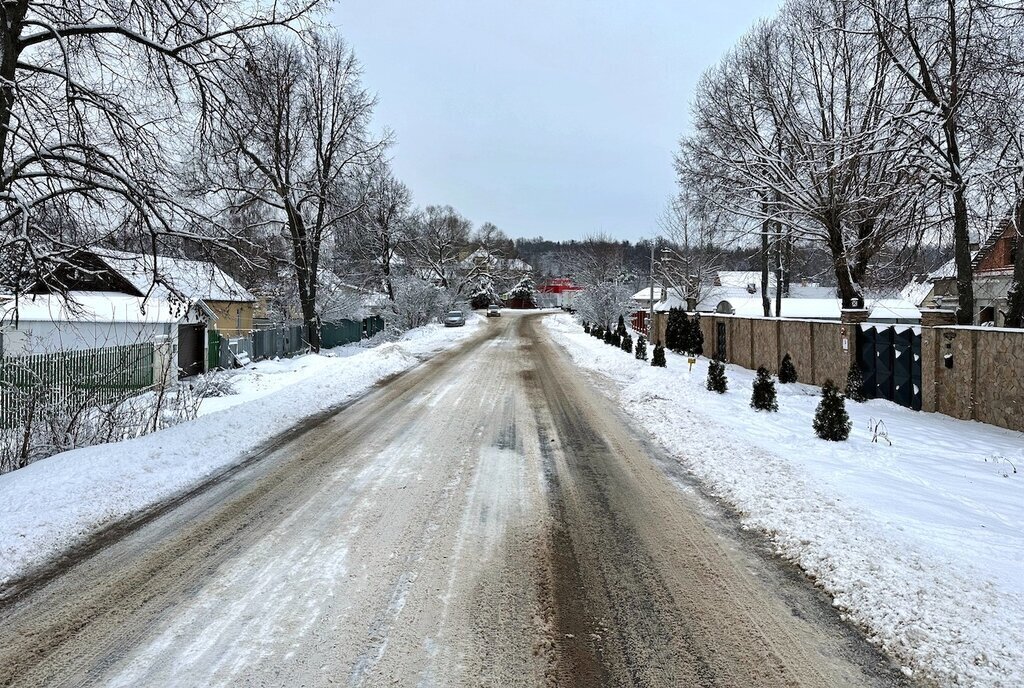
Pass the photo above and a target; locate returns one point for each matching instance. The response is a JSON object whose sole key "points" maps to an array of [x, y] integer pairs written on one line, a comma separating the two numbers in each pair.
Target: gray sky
{"points": [[556, 117]]}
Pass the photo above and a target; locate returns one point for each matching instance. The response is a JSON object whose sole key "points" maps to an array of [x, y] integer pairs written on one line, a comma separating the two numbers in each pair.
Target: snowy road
{"points": [[484, 519]]}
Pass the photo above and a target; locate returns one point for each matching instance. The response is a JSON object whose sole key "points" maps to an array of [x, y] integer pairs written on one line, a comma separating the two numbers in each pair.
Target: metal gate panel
{"points": [[866, 356], [720, 342], [890, 363]]}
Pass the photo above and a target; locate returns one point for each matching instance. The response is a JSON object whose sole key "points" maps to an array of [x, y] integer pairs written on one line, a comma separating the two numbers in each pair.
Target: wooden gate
{"points": [[889, 357]]}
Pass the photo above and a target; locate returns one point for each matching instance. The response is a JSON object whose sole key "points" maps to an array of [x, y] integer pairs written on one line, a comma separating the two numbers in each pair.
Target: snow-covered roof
{"points": [[175, 278], [824, 309], [739, 279], [483, 255], [645, 293], [91, 306]]}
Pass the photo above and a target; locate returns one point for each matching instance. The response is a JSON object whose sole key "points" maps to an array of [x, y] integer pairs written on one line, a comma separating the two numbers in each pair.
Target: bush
{"points": [[831, 421], [586, 327], [627, 343], [676, 330], [616, 340], [641, 348], [607, 336], [659, 356], [716, 377], [695, 344], [855, 384], [763, 398], [621, 329], [787, 371], [595, 331]]}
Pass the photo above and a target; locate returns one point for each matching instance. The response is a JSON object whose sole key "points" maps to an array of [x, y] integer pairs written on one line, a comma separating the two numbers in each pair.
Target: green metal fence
{"points": [[334, 334], [69, 377]]}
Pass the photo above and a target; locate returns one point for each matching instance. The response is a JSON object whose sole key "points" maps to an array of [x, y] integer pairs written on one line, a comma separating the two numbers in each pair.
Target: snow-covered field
{"points": [[60, 501], [921, 542]]}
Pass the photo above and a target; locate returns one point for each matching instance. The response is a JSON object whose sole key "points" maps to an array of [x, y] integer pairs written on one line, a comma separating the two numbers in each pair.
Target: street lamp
{"points": [[650, 322]]}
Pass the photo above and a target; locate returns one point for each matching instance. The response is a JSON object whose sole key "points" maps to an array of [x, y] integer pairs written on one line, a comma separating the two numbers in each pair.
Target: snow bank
{"points": [[921, 542], [54, 504]]}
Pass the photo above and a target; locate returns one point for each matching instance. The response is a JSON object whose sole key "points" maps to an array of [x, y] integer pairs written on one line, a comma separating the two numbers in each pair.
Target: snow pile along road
{"points": [[57, 503], [921, 542]]}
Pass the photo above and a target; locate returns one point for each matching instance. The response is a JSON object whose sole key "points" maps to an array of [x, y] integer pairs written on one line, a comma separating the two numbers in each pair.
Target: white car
{"points": [[493, 312]]}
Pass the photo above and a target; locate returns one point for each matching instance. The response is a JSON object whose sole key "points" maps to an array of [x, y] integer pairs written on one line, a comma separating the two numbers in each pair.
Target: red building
{"points": [[557, 292]]}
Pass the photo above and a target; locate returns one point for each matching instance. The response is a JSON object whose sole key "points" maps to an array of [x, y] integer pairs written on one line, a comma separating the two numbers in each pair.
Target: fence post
{"points": [[165, 369]]}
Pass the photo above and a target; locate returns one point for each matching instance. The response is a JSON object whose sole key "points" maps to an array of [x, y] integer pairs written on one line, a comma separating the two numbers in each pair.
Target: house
{"points": [[79, 320], [993, 274], [187, 282], [101, 298], [557, 292]]}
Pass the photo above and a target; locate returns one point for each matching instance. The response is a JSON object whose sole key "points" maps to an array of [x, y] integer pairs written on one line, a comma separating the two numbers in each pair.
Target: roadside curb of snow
{"points": [[947, 625], [65, 506]]}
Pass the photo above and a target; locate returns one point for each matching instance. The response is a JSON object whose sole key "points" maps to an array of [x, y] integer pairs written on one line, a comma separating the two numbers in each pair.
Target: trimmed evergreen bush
{"points": [[586, 327], [717, 381], [831, 422], [763, 398], [595, 331], [855, 384], [787, 371], [696, 341], [641, 348], [621, 329], [627, 343], [616, 340], [607, 336], [659, 356], [676, 330]]}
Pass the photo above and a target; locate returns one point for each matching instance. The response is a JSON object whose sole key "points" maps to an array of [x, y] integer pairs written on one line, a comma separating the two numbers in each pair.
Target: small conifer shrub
{"points": [[717, 381], [641, 349], [831, 422], [763, 397], [658, 360], [787, 371], [855, 384], [627, 343]]}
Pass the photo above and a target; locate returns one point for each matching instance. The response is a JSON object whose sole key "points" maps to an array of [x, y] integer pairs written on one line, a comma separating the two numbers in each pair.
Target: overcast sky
{"points": [[556, 117]]}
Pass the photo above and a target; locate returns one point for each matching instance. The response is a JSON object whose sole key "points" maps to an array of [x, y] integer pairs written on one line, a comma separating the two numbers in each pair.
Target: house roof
{"points": [[175, 278], [89, 306]]}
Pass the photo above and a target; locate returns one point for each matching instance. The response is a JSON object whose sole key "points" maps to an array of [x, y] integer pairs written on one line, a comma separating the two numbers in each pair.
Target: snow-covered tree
{"points": [[641, 348], [99, 104], [603, 303], [658, 359], [787, 371], [716, 381]]}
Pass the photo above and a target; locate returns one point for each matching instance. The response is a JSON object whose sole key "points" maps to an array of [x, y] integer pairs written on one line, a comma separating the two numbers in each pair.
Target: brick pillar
{"points": [[854, 316]]}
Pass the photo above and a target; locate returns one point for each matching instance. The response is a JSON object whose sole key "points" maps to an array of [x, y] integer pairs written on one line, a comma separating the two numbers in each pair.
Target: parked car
{"points": [[454, 319], [493, 312]]}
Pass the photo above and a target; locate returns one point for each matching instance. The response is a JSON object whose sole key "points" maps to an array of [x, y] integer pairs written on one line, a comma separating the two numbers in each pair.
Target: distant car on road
{"points": [[493, 312], [454, 319]]}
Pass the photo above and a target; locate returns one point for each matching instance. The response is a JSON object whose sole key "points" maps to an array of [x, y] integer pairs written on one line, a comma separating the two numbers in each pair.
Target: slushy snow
{"points": [[920, 543], [59, 502]]}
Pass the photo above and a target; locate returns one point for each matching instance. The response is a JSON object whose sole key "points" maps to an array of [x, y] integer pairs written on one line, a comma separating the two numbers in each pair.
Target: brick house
{"points": [[993, 273]]}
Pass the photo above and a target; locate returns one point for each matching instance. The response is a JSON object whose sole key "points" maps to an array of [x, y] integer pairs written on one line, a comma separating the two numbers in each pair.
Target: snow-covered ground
{"points": [[60, 501], [921, 542]]}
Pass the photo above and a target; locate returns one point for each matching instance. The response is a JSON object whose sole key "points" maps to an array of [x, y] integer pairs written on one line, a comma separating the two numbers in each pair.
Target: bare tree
{"points": [[291, 146], [692, 256], [98, 99], [441, 236], [940, 49]]}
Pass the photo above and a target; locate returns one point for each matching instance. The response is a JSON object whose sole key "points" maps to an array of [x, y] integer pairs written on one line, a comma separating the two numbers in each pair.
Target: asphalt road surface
{"points": [[487, 519]]}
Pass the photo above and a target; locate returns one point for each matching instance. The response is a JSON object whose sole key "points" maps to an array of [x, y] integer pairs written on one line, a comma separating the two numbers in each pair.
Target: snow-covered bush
{"points": [[658, 360], [417, 302], [787, 371], [717, 381], [855, 384], [763, 397], [831, 422], [214, 384], [641, 348]]}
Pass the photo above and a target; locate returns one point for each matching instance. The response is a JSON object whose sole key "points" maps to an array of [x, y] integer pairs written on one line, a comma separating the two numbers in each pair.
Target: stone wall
{"points": [[985, 382], [815, 347], [974, 374]]}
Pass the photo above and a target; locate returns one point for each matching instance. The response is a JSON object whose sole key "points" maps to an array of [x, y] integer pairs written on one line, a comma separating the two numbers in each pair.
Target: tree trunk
{"points": [[1015, 296], [766, 302], [9, 34], [778, 269], [962, 258]]}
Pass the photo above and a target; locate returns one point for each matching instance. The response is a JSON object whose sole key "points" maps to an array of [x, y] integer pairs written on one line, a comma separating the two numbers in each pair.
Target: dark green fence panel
{"points": [[213, 349], [339, 332], [372, 325]]}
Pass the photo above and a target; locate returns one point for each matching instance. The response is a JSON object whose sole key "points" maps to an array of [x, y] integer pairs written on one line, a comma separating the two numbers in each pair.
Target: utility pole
{"points": [[650, 322]]}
